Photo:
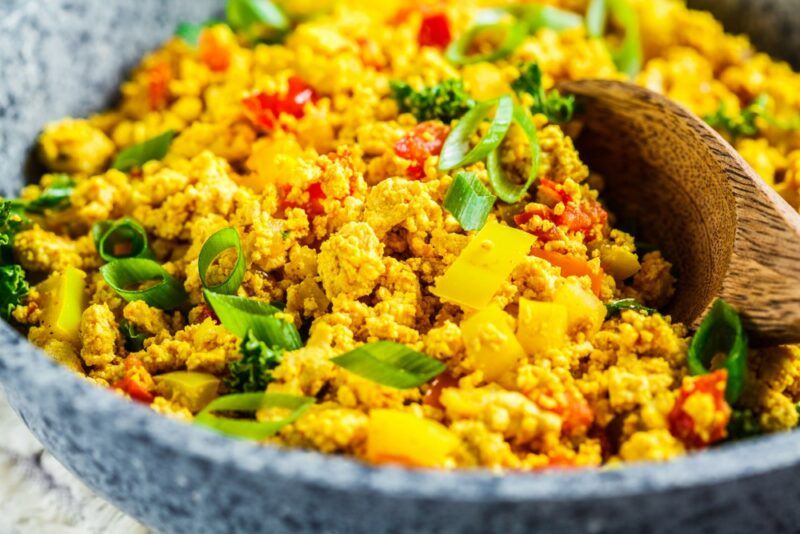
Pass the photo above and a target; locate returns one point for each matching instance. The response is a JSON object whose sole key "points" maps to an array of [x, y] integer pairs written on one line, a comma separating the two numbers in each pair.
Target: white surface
{"points": [[38, 495]]}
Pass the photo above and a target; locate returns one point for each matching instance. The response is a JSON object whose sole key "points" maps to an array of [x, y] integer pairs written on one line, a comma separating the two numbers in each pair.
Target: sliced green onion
{"points": [[256, 18], [469, 201], [55, 196], [456, 152], [538, 17], [504, 188], [250, 403], [123, 274], [618, 306], [125, 238], [390, 364], [190, 32], [137, 155], [213, 247], [515, 31], [628, 57], [239, 315], [596, 18], [721, 332]]}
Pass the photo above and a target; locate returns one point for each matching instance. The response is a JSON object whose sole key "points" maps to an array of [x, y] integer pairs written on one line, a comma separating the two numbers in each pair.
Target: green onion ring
{"points": [[390, 364], [139, 154], [596, 18], [538, 17], [252, 402], [504, 188], [455, 151], [469, 201], [213, 247], [121, 274], [107, 234], [516, 31]]}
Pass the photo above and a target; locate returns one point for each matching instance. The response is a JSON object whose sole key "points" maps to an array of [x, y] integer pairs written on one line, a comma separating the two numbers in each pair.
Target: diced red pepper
{"points": [[681, 423], [433, 395], [134, 389], [158, 78], [214, 54], [435, 31], [576, 217], [264, 109], [425, 140]]}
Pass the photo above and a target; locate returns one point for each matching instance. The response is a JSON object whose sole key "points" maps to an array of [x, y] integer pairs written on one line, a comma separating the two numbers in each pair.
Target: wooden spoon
{"points": [[726, 231]]}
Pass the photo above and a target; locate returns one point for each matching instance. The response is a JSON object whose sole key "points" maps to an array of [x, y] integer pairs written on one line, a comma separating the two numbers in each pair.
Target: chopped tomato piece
{"points": [[158, 78], [433, 395], [700, 415], [133, 383], [576, 217], [213, 53], [435, 31], [572, 266], [577, 415], [425, 140], [264, 109]]}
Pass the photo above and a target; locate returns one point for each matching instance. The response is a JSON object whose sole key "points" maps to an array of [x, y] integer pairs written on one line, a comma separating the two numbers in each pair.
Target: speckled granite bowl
{"points": [[65, 57]]}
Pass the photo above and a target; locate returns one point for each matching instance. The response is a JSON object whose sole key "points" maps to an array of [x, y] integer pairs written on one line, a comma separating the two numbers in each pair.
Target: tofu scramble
{"points": [[365, 230]]}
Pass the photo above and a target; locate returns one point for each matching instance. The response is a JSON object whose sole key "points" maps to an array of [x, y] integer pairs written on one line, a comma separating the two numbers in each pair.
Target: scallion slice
{"points": [[504, 188], [213, 247], [596, 18], [538, 17], [390, 364], [55, 196], [251, 403], [190, 32], [125, 238], [721, 332], [489, 20], [618, 306], [469, 201], [123, 274], [628, 56], [137, 155], [255, 18], [240, 315], [456, 152]]}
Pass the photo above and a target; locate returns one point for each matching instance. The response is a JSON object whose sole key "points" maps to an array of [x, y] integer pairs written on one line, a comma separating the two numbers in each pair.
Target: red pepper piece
{"points": [[158, 78], [263, 109], [433, 395], [435, 31], [214, 54], [425, 140], [681, 423]]}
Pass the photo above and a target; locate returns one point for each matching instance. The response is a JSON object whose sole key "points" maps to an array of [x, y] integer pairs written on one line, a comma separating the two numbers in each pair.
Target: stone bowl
{"points": [[66, 57]]}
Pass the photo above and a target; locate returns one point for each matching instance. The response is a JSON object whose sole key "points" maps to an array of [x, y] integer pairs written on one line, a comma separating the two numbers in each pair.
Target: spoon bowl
{"points": [[728, 234]]}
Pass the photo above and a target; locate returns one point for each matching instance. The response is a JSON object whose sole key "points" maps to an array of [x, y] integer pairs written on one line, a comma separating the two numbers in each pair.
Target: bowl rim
{"points": [[28, 366]]}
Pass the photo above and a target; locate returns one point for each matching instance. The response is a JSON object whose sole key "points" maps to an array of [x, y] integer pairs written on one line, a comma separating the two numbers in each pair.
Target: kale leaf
{"points": [[445, 101], [254, 371], [13, 289], [557, 108]]}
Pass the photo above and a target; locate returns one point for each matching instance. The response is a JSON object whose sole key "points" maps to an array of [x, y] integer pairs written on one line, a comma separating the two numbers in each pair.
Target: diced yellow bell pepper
{"points": [[190, 389], [584, 310], [619, 262], [490, 341], [64, 296], [541, 325], [482, 267], [401, 437]]}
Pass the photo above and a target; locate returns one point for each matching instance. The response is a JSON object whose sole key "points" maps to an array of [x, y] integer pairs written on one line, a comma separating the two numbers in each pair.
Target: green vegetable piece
{"points": [[743, 125], [242, 315], [250, 403], [254, 371], [124, 274], [446, 101], [137, 155], [190, 32], [488, 20], [55, 196], [721, 332], [596, 18], [507, 190], [456, 152], [558, 109], [13, 289], [628, 56], [469, 201], [390, 364], [618, 306], [743, 424], [134, 339], [538, 17], [216, 244], [124, 238], [256, 19]]}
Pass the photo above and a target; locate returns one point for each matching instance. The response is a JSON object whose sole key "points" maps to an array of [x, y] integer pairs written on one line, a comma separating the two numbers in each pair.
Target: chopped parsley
{"points": [[445, 101], [254, 371], [557, 108], [742, 125]]}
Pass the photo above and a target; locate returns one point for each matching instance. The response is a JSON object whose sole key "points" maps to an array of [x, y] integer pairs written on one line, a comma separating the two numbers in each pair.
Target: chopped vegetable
{"points": [[256, 19], [743, 424], [394, 436], [134, 339], [514, 31], [572, 266], [189, 389], [250, 403], [132, 279], [422, 142], [619, 262], [445, 101], [137, 155], [242, 315], [125, 238], [390, 364], [64, 297], [509, 191], [433, 396], [618, 306], [434, 30], [484, 265], [584, 309], [13, 289], [541, 325], [700, 414], [490, 341], [214, 52], [264, 109], [745, 124], [190, 33], [587, 217], [219, 242], [596, 18], [55, 196], [469, 201], [254, 371], [456, 151], [628, 57], [721, 332], [538, 17], [558, 109]]}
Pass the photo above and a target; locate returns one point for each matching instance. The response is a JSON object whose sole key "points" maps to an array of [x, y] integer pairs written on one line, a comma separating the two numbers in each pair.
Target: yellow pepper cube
{"points": [[584, 310], [490, 341], [541, 325], [484, 265], [190, 389], [402, 437], [619, 262], [64, 302]]}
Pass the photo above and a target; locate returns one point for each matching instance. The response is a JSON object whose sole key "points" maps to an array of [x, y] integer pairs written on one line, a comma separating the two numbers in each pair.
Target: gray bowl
{"points": [[65, 57]]}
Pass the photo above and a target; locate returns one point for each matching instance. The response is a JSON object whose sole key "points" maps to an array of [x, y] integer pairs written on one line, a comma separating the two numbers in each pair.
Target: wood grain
{"points": [[727, 232]]}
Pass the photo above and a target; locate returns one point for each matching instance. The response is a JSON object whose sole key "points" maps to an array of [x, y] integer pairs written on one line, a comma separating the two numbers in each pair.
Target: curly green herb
{"points": [[254, 371], [557, 108], [446, 101]]}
